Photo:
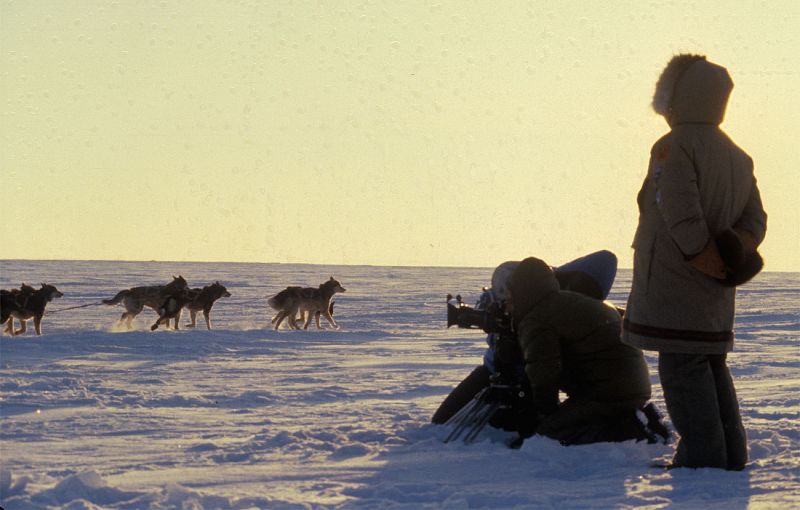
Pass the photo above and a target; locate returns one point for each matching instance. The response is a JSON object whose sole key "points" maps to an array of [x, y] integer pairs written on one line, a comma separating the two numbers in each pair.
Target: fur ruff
{"points": [[665, 87]]}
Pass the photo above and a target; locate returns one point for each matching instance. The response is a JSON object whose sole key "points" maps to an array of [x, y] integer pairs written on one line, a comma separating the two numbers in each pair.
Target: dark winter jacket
{"points": [[572, 342], [699, 184]]}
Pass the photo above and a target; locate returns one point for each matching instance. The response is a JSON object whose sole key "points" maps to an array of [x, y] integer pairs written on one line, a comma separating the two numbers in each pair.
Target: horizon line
{"points": [[287, 263], [245, 262]]}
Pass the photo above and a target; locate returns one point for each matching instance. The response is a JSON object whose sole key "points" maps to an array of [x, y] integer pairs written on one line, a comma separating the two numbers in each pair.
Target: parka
{"points": [[571, 342], [698, 184]]}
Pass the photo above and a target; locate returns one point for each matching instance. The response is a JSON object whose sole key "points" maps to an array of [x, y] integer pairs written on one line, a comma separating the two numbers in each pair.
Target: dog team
{"points": [[292, 304]]}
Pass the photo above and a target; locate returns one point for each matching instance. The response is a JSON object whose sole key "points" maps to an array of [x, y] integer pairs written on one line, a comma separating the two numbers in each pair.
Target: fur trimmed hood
{"points": [[692, 90], [500, 278]]}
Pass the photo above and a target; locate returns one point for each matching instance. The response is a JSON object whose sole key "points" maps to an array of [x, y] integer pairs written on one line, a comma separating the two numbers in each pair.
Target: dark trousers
{"points": [[575, 422], [579, 421], [701, 402]]}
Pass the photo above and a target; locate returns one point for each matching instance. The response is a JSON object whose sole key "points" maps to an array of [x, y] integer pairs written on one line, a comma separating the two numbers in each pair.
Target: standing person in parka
{"points": [[700, 221], [571, 342]]}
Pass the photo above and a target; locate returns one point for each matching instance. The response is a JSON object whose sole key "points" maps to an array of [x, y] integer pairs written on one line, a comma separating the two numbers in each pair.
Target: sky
{"points": [[371, 132]]}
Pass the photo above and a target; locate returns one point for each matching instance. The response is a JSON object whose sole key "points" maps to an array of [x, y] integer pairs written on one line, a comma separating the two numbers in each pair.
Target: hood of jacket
{"points": [[500, 279], [531, 281], [692, 90]]}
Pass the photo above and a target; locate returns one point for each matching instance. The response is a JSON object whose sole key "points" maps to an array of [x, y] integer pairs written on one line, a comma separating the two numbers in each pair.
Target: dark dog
{"points": [[154, 296], [202, 300], [31, 308], [13, 300], [282, 302], [171, 309]]}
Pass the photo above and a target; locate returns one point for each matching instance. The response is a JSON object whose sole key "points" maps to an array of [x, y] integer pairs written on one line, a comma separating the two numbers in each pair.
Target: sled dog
{"points": [[171, 309], [31, 308], [135, 299], [202, 300], [293, 300], [13, 300], [303, 316], [284, 301]]}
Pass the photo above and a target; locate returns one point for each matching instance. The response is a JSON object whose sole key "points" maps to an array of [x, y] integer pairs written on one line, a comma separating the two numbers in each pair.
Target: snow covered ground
{"points": [[246, 417]]}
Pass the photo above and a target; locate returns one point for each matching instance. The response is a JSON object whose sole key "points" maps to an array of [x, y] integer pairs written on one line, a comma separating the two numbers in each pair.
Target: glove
{"points": [[737, 250]]}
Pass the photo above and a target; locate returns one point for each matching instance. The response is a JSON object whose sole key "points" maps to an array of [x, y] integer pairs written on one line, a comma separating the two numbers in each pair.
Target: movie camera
{"points": [[492, 319]]}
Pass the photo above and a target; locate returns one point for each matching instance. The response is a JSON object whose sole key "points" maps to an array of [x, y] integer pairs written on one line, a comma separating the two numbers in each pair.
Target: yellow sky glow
{"points": [[396, 133]]}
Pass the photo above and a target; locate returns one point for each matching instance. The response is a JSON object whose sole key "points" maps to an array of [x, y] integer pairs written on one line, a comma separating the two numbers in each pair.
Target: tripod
{"points": [[500, 395]]}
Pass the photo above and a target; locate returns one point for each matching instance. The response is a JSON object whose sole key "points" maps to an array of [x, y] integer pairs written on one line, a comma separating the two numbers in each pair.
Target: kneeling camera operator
{"points": [[549, 330]]}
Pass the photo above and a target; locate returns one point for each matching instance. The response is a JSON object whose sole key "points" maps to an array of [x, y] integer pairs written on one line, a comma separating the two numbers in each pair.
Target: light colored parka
{"points": [[699, 183]]}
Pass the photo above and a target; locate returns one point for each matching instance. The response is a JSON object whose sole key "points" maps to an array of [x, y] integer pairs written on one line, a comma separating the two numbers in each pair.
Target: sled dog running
{"points": [[25, 304], [301, 300], [202, 300], [13, 300], [135, 299]]}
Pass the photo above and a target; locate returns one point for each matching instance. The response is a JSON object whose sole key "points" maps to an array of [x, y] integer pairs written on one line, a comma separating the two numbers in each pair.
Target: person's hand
{"points": [[709, 261]]}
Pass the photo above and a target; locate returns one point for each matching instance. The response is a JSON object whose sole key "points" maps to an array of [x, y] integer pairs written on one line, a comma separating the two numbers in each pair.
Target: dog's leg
{"points": [[37, 325], [23, 327], [329, 317], [293, 319], [162, 319], [317, 317], [278, 319], [133, 307], [193, 315], [207, 317]]}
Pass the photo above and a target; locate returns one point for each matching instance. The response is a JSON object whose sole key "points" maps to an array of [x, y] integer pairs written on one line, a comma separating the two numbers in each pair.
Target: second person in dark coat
{"points": [[571, 342]]}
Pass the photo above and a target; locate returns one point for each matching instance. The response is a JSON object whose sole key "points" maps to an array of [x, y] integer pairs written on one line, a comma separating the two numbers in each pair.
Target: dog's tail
{"points": [[116, 299]]}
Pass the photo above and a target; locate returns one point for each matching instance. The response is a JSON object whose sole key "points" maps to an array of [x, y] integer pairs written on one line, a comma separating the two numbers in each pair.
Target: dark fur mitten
{"points": [[741, 266]]}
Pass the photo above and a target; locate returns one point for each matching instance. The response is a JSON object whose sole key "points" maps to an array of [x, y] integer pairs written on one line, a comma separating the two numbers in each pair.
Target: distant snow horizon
{"points": [[620, 268]]}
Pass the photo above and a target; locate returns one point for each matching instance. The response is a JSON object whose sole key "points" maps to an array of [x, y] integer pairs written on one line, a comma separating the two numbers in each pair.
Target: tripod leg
{"points": [[461, 421], [481, 423], [466, 416]]}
